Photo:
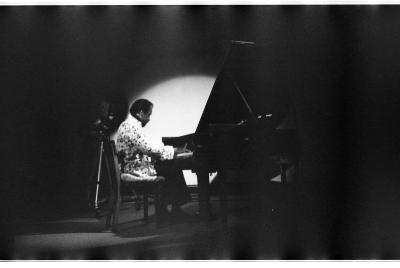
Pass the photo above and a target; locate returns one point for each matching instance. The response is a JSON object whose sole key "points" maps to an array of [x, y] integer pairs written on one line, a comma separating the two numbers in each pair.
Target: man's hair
{"points": [[140, 105]]}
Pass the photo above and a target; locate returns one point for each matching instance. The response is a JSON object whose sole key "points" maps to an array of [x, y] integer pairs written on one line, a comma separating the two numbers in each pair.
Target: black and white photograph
{"points": [[200, 132]]}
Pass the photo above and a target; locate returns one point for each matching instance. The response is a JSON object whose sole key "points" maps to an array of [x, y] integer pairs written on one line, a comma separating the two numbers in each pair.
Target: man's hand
{"points": [[180, 150], [182, 153]]}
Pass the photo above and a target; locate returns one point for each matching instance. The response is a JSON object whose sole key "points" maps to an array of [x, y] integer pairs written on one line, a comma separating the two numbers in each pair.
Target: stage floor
{"points": [[85, 237]]}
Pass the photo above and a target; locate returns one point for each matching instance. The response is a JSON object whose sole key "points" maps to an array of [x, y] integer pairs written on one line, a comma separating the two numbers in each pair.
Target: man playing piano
{"points": [[137, 157]]}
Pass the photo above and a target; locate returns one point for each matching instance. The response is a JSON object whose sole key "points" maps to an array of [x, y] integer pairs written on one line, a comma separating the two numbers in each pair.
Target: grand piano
{"points": [[248, 121]]}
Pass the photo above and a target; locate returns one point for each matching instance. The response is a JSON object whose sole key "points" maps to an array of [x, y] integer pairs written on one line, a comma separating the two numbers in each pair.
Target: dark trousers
{"points": [[174, 189]]}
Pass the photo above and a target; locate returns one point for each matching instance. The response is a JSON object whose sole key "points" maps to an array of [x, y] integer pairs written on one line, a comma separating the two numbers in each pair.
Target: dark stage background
{"points": [[339, 63]]}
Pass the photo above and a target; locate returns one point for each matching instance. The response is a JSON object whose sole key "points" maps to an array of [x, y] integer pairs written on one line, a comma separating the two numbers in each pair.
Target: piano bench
{"points": [[144, 187]]}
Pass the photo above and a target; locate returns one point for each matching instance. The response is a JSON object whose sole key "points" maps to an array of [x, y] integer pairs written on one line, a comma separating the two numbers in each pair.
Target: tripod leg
{"points": [[91, 183], [114, 184], [108, 220], [96, 205], [113, 206], [118, 201]]}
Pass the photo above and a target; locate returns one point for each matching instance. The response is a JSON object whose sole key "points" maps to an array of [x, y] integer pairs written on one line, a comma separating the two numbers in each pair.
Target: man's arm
{"points": [[137, 139]]}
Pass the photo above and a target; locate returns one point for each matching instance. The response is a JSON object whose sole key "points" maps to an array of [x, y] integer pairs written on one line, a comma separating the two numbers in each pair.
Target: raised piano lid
{"points": [[250, 85]]}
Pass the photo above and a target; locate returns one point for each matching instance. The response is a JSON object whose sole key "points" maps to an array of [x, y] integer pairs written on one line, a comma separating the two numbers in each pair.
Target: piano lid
{"points": [[250, 84]]}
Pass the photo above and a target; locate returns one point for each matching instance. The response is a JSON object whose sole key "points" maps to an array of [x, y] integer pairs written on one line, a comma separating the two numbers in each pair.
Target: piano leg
{"points": [[204, 194], [223, 200], [283, 173]]}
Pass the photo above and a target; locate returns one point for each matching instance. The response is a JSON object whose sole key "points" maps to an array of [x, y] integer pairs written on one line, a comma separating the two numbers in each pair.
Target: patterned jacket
{"points": [[135, 151]]}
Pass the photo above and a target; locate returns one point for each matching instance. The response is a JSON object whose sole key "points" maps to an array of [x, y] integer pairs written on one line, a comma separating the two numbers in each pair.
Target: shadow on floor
{"points": [[245, 236]]}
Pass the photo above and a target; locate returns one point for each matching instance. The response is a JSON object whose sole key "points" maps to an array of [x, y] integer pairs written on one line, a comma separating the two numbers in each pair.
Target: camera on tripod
{"points": [[106, 123], [102, 129]]}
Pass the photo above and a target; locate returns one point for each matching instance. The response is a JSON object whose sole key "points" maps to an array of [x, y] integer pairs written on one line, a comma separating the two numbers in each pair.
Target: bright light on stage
{"points": [[178, 105]]}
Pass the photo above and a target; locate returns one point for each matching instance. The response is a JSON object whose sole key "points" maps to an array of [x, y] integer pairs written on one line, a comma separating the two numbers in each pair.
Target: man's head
{"points": [[142, 109]]}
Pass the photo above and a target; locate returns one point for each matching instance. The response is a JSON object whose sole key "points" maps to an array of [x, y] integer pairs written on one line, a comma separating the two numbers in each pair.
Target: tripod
{"points": [[99, 166], [102, 170]]}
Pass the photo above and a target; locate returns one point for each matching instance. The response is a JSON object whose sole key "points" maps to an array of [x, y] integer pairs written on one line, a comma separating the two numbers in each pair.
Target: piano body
{"points": [[246, 123]]}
